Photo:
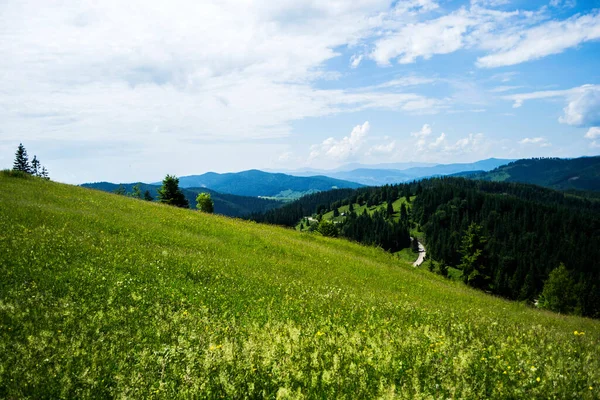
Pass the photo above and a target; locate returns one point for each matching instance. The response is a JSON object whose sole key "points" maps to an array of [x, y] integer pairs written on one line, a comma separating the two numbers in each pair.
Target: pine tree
{"points": [[390, 209], [148, 196], [21, 160], [474, 261], [44, 174], [35, 167], [171, 194]]}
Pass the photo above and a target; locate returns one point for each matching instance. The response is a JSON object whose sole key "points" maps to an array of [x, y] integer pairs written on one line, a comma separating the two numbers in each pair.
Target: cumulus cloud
{"points": [[584, 108], [439, 142], [593, 133], [474, 142], [382, 149], [343, 149], [421, 136], [539, 141], [583, 104]]}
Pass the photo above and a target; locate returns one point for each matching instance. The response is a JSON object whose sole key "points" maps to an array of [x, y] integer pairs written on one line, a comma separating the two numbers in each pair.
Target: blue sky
{"points": [[128, 91]]}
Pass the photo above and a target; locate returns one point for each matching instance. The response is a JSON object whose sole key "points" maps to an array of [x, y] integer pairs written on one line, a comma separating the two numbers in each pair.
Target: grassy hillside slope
{"points": [[106, 296]]}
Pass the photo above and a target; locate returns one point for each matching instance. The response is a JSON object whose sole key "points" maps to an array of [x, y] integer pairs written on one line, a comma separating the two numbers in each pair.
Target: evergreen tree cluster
{"points": [[508, 238], [22, 164], [379, 229]]}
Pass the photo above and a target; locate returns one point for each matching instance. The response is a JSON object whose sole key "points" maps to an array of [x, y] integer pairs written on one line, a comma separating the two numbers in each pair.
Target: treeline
{"points": [[291, 213], [378, 229], [22, 164], [508, 238]]}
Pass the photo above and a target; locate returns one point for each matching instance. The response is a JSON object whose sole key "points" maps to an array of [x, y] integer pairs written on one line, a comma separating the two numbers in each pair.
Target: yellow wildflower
{"points": [[537, 379]]}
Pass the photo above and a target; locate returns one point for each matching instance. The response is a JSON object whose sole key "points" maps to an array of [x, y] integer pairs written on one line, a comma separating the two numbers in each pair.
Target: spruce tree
{"points": [[148, 196], [35, 166], [21, 160], [44, 174], [171, 194]]}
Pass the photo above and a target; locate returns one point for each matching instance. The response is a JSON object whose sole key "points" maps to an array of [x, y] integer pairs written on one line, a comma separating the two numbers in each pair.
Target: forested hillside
{"points": [[225, 204], [556, 173], [507, 238]]}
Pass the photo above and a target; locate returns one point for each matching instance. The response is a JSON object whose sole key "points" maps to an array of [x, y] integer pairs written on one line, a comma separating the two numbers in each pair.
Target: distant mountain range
{"points": [[382, 174], [265, 184], [225, 204], [556, 173]]}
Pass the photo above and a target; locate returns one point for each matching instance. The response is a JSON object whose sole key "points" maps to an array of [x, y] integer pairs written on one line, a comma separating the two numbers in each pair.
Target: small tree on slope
{"points": [[171, 194], [204, 203]]}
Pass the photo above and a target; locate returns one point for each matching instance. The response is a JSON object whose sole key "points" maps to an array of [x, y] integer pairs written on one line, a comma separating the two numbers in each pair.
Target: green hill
{"points": [[107, 296], [556, 173], [225, 204]]}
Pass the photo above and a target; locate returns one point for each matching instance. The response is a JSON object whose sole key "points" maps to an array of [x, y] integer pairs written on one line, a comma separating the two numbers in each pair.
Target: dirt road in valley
{"points": [[422, 253]]}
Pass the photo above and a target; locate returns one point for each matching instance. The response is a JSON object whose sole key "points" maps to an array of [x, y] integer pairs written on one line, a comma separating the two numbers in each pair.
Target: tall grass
{"points": [[106, 296]]}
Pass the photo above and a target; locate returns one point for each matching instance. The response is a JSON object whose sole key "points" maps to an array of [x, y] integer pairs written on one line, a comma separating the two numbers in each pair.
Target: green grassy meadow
{"points": [[107, 296]]}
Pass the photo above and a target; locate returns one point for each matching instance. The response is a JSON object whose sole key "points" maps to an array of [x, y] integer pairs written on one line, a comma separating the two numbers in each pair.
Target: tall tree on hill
{"points": [[473, 262], [21, 160], [390, 209], [35, 166], [559, 291], [171, 194]]}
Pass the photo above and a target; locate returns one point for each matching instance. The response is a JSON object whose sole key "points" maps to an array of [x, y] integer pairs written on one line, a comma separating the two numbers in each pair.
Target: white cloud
{"points": [[422, 136], [469, 144], [509, 37], [355, 60], [382, 149], [552, 37], [341, 150], [539, 141], [415, 6], [593, 133], [440, 141], [225, 71], [422, 40], [583, 108], [502, 89], [583, 103], [563, 3], [424, 132]]}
